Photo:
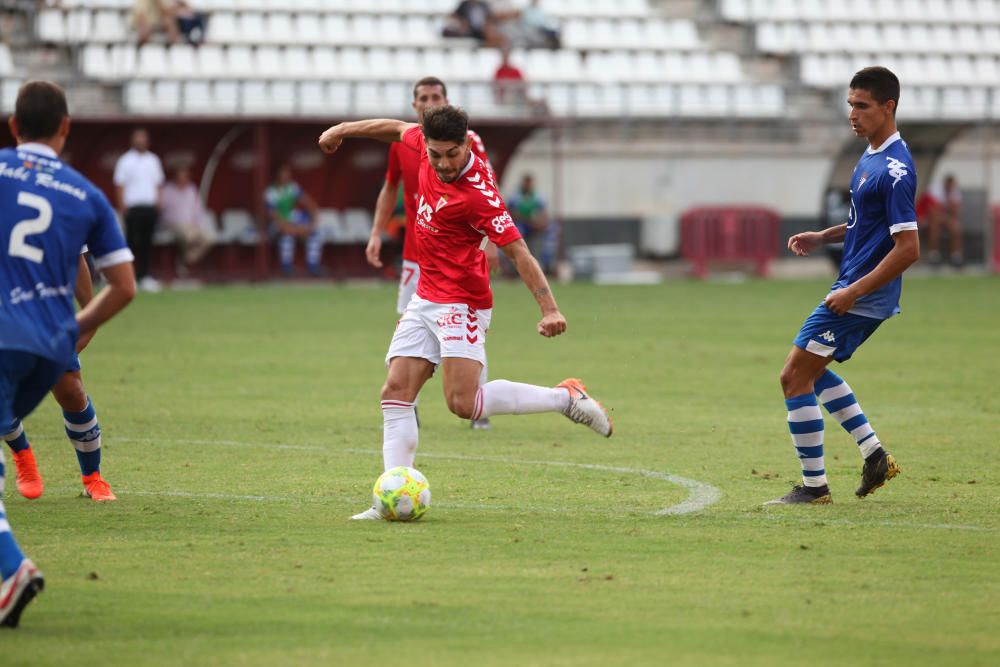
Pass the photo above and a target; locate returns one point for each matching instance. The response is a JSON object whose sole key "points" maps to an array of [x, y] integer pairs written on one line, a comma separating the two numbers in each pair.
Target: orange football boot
{"points": [[29, 480], [584, 409], [95, 487]]}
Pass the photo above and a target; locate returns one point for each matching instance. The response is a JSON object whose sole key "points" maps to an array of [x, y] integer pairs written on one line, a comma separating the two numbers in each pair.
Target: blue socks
{"points": [[84, 433], [805, 422], [16, 439]]}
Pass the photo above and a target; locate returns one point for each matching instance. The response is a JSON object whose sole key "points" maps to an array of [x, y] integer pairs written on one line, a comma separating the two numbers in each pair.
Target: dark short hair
{"points": [[430, 81], [446, 123], [880, 82], [39, 110]]}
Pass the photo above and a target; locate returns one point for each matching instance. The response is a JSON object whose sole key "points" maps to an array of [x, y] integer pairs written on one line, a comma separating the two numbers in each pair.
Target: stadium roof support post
{"points": [[262, 151]]}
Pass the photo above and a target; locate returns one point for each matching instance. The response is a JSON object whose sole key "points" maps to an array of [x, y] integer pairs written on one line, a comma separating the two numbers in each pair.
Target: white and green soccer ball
{"points": [[401, 494]]}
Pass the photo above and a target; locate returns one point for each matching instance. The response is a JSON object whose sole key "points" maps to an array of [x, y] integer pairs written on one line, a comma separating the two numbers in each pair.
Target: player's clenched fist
{"points": [[552, 325], [330, 140]]}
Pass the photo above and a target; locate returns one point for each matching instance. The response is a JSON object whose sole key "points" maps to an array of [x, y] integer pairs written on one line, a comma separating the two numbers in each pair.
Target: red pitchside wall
{"points": [[350, 179]]}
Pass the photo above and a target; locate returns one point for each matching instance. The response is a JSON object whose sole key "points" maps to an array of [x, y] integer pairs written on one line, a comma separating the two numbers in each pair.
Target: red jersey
{"points": [[451, 223], [404, 161]]}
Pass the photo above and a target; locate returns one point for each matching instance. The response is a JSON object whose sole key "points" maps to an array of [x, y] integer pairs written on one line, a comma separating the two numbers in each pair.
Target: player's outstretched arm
{"points": [[383, 129], [118, 293], [552, 323]]}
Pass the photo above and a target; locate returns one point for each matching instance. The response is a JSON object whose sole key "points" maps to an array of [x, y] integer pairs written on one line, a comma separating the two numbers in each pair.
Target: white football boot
{"points": [[17, 591], [583, 409], [370, 514]]}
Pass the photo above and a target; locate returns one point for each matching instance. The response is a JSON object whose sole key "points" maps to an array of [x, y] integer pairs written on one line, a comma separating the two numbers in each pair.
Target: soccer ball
{"points": [[401, 494]]}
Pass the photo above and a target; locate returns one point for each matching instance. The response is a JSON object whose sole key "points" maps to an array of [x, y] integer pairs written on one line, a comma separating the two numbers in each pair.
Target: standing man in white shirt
{"points": [[138, 181]]}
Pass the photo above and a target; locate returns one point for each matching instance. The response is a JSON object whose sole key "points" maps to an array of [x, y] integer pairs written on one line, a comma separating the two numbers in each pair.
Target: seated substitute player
{"points": [[293, 213], [446, 322], [404, 165], [880, 242], [79, 418], [51, 212]]}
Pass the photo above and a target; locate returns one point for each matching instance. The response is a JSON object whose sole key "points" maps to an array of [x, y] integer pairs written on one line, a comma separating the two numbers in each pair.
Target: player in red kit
{"points": [[447, 321], [404, 166]]}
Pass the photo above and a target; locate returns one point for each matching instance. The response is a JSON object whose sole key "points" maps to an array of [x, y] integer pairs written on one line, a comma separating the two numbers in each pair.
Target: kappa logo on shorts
{"points": [[828, 336]]}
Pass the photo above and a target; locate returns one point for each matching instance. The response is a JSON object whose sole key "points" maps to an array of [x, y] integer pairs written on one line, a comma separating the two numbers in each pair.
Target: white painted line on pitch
{"points": [[700, 494]]}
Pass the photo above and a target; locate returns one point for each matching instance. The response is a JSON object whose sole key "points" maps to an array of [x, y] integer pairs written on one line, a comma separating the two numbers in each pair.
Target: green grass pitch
{"points": [[242, 428]]}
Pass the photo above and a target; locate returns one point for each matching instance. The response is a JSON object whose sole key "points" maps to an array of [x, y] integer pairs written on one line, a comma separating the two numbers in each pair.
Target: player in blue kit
{"points": [[79, 418], [880, 242], [48, 213]]}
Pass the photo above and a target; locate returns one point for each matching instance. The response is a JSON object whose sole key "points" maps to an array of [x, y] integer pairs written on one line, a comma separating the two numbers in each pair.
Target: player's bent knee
{"points": [[461, 405], [70, 394]]}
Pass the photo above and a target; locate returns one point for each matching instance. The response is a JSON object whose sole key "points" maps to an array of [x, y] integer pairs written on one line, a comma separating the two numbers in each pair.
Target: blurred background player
{"points": [[293, 213], [447, 320], [880, 242], [51, 212], [531, 215], [404, 167], [79, 419], [944, 208], [138, 178]]}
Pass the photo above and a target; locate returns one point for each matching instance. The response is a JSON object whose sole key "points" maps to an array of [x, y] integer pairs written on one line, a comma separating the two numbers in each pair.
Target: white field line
{"points": [[701, 495]]}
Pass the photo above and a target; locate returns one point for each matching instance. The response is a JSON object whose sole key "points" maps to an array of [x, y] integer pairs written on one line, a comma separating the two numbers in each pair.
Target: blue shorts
{"points": [[25, 379], [827, 334], [74, 364]]}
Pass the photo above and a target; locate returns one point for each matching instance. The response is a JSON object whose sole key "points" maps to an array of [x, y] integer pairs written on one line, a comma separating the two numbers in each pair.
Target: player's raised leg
{"points": [[805, 422], [501, 397], [84, 433], [838, 398], [29, 479]]}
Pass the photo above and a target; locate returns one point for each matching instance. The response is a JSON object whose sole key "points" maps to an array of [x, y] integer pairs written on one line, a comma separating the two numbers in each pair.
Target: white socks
{"points": [[399, 434], [501, 397]]}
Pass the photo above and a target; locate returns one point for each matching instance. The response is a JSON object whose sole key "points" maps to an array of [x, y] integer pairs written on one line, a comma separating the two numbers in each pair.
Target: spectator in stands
{"points": [[476, 19], [190, 24], [943, 206], [537, 28], [531, 216], [509, 86], [293, 215], [138, 179], [182, 211], [150, 15]]}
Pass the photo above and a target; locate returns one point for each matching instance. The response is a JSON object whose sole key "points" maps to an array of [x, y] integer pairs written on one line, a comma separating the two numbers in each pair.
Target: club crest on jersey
{"points": [[441, 204], [864, 177]]}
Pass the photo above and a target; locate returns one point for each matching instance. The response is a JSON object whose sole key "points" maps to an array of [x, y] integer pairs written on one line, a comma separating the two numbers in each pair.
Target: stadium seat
{"points": [[109, 26], [325, 62], [239, 62], [269, 62], [352, 64], [211, 61], [152, 61], [357, 225], [330, 224], [222, 28], [238, 227], [266, 98], [182, 61], [78, 25], [8, 94], [252, 29], [309, 29], [280, 29], [50, 26]]}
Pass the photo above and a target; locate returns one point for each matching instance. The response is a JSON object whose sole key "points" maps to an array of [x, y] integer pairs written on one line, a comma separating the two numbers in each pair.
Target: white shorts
{"points": [[407, 284], [432, 331]]}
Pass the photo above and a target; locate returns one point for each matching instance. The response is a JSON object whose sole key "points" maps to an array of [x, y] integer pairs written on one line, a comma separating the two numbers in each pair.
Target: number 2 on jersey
{"points": [[18, 248]]}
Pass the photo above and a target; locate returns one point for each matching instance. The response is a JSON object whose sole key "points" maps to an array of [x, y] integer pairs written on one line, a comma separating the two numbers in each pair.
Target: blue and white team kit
{"points": [[882, 196], [48, 213]]}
